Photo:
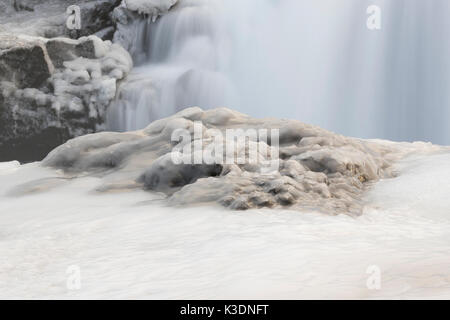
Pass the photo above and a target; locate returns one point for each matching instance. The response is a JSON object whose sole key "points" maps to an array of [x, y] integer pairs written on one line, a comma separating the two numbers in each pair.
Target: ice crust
{"points": [[317, 168]]}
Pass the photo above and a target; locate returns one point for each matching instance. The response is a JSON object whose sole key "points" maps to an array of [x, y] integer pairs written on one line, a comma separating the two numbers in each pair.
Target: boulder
{"points": [[54, 90], [61, 50], [26, 66]]}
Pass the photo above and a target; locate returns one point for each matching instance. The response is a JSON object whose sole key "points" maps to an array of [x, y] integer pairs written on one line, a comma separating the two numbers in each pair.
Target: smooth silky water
{"points": [[315, 61]]}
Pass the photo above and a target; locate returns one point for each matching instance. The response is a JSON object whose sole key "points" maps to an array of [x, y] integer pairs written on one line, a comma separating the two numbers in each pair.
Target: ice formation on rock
{"points": [[317, 168], [47, 18], [152, 8], [54, 89], [132, 20]]}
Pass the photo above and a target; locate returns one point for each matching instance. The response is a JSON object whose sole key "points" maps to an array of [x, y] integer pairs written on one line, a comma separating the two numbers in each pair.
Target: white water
{"points": [[315, 61]]}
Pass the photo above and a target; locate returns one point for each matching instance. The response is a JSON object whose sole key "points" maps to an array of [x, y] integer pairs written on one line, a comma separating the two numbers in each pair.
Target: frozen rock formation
{"points": [[47, 18], [104, 18], [132, 19], [317, 168], [152, 8], [54, 89]]}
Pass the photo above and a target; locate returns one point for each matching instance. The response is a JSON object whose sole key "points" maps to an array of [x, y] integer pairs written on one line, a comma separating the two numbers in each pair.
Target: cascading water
{"points": [[185, 53], [315, 61]]}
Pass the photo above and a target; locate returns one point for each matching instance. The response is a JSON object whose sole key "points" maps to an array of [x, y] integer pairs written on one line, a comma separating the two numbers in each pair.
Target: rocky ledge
{"points": [[54, 89]]}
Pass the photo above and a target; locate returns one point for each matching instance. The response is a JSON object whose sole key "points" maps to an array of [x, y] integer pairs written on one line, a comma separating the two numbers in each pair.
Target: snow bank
{"points": [[421, 191], [8, 167]]}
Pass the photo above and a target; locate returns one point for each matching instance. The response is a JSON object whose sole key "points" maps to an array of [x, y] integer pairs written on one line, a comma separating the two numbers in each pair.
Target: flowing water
{"points": [[315, 61]]}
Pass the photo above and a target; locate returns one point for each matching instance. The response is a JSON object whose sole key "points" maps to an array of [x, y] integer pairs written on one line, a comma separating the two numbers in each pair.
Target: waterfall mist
{"points": [[315, 61]]}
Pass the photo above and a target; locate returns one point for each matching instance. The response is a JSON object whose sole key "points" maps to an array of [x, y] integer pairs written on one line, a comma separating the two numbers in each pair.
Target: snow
{"points": [[6, 167], [427, 195], [128, 244]]}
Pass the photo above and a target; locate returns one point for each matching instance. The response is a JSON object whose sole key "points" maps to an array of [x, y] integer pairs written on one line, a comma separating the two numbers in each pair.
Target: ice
{"points": [[314, 167], [129, 245], [66, 86]]}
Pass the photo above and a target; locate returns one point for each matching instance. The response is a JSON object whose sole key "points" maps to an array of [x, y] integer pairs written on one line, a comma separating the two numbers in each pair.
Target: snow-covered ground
{"points": [[131, 245]]}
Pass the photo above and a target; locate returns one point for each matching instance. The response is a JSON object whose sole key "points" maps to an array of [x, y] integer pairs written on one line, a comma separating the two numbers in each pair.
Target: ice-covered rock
{"points": [[54, 89], [152, 8], [47, 18], [316, 168], [133, 19]]}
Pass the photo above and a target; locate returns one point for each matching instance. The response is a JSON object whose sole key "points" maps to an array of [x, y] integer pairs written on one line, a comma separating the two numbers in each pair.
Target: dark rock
{"points": [[36, 104], [33, 147], [60, 50], [23, 5], [163, 175], [29, 130], [26, 67], [85, 49], [97, 17]]}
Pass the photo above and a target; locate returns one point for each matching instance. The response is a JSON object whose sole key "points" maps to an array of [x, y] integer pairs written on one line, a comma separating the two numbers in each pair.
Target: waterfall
{"points": [[315, 61]]}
